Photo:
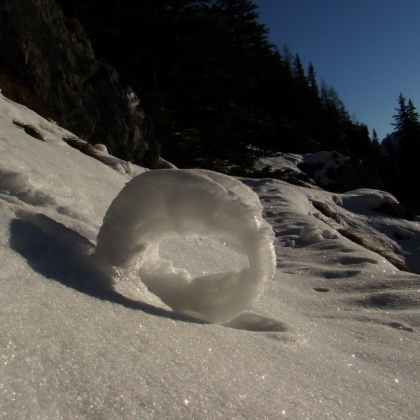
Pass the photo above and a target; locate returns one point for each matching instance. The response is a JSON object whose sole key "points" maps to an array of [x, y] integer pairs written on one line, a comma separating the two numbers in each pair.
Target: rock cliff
{"points": [[53, 57]]}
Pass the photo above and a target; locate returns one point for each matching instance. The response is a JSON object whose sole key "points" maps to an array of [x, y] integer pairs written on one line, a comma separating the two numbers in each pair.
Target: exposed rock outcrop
{"points": [[55, 58]]}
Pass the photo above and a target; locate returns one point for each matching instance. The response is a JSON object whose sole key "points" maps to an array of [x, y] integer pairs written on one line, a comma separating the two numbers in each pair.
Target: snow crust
{"points": [[160, 205], [334, 334]]}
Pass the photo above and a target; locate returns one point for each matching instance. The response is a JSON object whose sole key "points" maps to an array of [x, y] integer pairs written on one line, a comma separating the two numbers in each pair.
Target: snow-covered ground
{"points": [[321, 163], [333, 335]]}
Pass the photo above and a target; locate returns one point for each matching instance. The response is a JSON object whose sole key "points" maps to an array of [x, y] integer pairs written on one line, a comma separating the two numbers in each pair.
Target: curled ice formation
{"points": [[157, 205]]}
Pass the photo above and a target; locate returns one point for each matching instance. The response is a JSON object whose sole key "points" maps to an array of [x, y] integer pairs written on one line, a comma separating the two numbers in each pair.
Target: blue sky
{"points": [[368, 50]]}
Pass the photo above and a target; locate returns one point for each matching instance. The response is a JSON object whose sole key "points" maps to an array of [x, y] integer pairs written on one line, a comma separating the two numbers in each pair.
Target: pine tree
{"points": [[287, 57], [407, 123], [401, 117], [313, 85], [298, 71], [412, 116], [375, 138], [407, 126]]}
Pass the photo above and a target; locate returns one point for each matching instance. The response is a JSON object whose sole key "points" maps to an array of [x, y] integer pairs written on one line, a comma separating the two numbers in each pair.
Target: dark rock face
{"points": [[38, 45]]}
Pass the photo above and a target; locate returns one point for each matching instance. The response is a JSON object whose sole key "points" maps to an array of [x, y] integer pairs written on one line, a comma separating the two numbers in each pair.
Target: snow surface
{"points": [[334, 334], [322, 162]]}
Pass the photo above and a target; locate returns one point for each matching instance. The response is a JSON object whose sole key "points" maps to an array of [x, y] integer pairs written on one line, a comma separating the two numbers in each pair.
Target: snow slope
{"points": [[321, 162], [334, 335]]}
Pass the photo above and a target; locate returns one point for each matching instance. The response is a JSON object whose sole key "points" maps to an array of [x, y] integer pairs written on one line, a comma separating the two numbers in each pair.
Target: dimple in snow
{"points": [[158, 205]]}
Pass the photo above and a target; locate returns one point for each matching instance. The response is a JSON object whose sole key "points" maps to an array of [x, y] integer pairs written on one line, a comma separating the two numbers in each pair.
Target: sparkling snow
{"points": [[333, 335]]}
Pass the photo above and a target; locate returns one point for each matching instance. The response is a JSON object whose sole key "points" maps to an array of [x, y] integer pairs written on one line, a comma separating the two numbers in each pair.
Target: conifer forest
{"points": [[221, 95]]}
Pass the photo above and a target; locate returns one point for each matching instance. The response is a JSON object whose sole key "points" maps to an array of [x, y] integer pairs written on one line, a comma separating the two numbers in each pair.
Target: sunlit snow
{"points": [[334, 334]]}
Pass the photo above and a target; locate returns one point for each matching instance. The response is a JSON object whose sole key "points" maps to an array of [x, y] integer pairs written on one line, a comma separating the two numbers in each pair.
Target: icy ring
{"points": [[157, 205]]}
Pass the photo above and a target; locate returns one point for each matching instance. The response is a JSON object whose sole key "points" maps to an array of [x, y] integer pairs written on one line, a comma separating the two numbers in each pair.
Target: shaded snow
{"points": [[320, 162], [334, 335]]}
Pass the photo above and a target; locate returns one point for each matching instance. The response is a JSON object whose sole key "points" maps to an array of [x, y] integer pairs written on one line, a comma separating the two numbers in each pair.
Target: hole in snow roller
{"points": [[159, 210], [200, 256]]}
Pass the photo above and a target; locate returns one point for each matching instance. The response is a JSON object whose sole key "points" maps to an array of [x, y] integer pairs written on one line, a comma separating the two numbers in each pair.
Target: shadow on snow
{"points": [[61, 254]]}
